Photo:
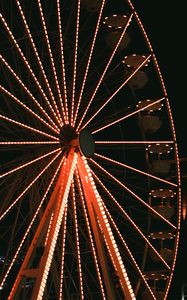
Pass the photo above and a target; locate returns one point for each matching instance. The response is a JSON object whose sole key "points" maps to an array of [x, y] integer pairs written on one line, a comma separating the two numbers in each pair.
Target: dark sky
{"points": [[164, 24]]}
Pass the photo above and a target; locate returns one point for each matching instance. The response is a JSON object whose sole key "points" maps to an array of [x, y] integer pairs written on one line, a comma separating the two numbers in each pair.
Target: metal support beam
{"points": [[98, 217], [56, 206]]}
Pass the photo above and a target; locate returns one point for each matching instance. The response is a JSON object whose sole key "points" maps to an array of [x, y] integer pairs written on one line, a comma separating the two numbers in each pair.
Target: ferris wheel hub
{"points": [[68, 137], [83, 141], [86, 143]]}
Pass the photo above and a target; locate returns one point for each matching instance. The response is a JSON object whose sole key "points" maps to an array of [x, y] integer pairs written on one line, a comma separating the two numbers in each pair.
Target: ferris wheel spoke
{"points": [[100, 251], [30, 143], [63, 254], [31, 224], [90, 236], [27, 108], [126, 216], [129, 252], [27, 91], [26, 63], [133, 194], [64, 112], [39, 62], [75, 62], [118, 89], [118, 120], [89, 60], [62, 56], [29, 186], [77, 241], [134, 169], [111, 143], [29, 163], [105, 70], [27, 127]]}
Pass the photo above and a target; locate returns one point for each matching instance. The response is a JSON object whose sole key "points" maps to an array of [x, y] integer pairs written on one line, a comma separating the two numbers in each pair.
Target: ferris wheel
{"points": [[90, 182]]}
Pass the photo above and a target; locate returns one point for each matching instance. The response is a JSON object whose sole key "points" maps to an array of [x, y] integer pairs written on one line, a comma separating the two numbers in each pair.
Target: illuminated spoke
{"points": [[75, 61], [132, 142], [30, 225], [28, 127], [77, 242], [48, 230], [126, 216], [52, 60], [62, 57], [30, 143], [127, 116], [38, 58], [29, 186], [118, 89], [27, 64], [128, 251], [63, 253], [135, 170], [27, 90], [89, 60], [133, 194], [29, 163], [105, 70], [27, 108], [90, 236]]}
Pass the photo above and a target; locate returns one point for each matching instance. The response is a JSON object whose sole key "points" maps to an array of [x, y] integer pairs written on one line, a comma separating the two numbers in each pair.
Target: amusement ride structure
{"points": [[90, 184]]}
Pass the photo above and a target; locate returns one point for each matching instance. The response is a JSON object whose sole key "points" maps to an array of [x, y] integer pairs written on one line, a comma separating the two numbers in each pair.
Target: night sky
{"points": [[164, 24]]}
